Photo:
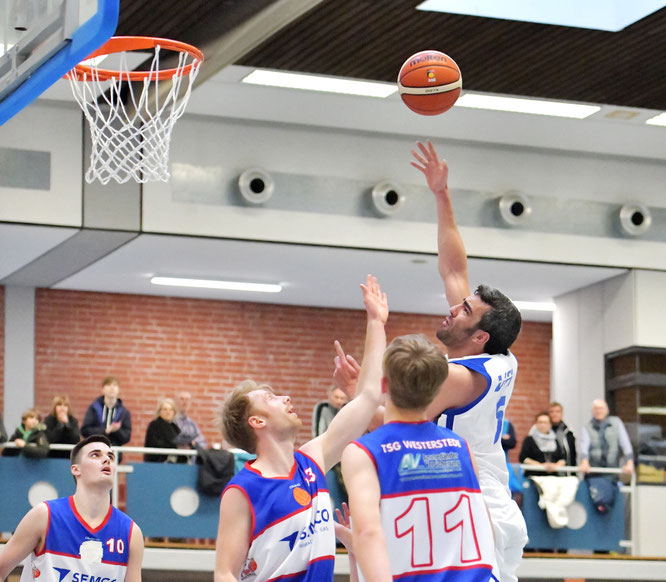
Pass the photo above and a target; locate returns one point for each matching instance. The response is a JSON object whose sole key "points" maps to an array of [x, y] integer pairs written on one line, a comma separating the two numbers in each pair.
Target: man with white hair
{"points": [[604, 441], [190, 434]]}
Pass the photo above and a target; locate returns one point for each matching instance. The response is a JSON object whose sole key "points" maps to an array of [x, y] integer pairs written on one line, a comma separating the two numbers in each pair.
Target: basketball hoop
{"points": [[131, 113]]}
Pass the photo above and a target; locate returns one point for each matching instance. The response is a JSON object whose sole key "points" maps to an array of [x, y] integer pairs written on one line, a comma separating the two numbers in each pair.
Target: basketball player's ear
{"points": [[481, 337], [384, 385], [256, 421], [75, 470]]}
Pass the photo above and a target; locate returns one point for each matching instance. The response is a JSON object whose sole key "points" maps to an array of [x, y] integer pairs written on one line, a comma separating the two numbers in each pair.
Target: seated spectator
{"points": [[29, 437], [162, 433], [61, 426], [540, 447], [190, 435], [107, 415]]}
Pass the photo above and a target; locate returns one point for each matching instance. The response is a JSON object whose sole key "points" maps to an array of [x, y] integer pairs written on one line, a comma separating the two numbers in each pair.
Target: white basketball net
{"points": [[130, 122]]}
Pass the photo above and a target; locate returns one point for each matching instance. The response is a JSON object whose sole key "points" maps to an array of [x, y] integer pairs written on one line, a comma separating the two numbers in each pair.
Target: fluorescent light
{"points": [[534, 306], [611, 15], [320, 83], [532, 106], [657, 120], [214, 284]]}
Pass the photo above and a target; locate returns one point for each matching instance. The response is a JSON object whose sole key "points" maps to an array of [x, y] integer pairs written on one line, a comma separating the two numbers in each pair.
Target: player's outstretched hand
{"points": [[343, 526], [435, 170], [376, 303], [346, 371]]}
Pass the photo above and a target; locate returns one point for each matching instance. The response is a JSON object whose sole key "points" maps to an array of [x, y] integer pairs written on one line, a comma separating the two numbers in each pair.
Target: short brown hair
{"points": [[57, 401], [415, 369], [236, 411], [30, 413], [110, 380]]}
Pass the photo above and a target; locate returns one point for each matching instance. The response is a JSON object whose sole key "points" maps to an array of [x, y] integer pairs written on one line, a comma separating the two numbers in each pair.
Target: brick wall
{"points": [[157, 346]]}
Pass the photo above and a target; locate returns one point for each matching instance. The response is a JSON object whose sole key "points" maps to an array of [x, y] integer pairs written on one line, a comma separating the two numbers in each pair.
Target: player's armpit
{"points": [[135, 555], [233, 535], [462, 386]]}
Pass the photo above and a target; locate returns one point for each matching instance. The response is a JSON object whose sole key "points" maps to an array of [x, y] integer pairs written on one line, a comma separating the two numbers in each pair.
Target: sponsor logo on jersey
{"points": [[419, 464], [35, 571], [301, 496], [304, 538], [64, 576]]}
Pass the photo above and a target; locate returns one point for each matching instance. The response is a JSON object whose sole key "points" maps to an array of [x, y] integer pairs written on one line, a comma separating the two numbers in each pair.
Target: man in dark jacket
{"points": [[107, 415], [564, 435]]}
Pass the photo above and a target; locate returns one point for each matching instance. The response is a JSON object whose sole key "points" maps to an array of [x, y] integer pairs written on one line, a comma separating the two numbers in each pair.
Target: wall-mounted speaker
{"points": [[256, 185], [514, 208], [387, 198], [635, 218]]}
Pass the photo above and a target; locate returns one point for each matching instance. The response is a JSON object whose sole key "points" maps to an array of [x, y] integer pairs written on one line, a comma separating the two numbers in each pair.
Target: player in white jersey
{"points": [[82, 537], [275, 515], [477, 334]]}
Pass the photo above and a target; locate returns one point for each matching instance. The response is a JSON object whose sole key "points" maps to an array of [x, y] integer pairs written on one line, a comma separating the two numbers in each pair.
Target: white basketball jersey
{"points": [[480, 422]]}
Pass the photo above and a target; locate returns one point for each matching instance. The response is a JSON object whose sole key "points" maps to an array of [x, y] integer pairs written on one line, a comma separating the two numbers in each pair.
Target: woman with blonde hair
{"points": [[61, 426], [162, 432]]}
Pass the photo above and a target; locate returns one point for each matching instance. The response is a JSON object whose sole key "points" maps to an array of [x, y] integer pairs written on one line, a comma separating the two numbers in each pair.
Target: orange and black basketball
{"points": [[429, 82]]}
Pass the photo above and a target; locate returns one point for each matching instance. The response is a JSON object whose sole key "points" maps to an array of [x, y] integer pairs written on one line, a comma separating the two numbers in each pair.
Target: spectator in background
{"points": [[190, 436], [162, 433], [107, 415], [61, 426], [564, 435], [604, 441], [540, 446], [29, 437], [3, 431], [322, 415]]}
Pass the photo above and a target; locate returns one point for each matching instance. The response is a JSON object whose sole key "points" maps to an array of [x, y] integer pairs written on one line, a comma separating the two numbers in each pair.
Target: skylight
{"points": [[610, 15]]}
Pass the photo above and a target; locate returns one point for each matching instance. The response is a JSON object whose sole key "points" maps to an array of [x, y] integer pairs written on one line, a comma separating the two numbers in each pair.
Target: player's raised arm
{"points": [[353, 419], [450, 247]]}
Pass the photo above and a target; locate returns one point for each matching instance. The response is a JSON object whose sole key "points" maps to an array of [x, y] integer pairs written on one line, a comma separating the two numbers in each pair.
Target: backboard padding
{"points": [[54, 42]]}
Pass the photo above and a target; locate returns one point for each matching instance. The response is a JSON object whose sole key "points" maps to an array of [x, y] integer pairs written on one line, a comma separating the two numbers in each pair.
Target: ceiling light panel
{"points": [[320, 83]]}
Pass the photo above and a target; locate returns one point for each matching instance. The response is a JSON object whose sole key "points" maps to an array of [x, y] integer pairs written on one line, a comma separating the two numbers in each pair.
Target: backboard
{"points": [[41, 40]]}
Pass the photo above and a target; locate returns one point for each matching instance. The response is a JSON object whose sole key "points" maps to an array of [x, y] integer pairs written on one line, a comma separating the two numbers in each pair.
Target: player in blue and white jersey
{"points": [[417, 511], [478, 333], [276, 520], [82, 537]]}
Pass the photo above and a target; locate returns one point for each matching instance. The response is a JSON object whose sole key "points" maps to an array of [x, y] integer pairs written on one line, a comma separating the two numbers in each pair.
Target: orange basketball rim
{"points": [[119, 44]]}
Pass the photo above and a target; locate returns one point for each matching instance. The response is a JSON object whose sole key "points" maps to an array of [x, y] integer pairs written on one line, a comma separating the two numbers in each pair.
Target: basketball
{"points": [[429, 82]]}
